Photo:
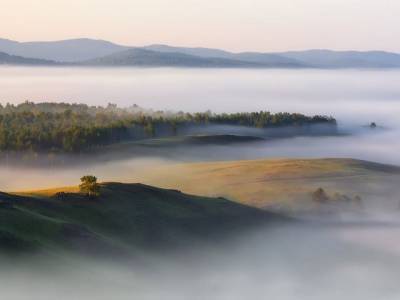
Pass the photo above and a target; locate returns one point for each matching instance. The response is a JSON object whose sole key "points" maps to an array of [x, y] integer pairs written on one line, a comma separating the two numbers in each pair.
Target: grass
{"points": [[125, 217], [269, 183], [130, 216]]}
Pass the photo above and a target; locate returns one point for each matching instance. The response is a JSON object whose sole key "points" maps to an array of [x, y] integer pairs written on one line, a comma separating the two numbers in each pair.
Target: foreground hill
{"points": [[286, 184], [125, 217]]}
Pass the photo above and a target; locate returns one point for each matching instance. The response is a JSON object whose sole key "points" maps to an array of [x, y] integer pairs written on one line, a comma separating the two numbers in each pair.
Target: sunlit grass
{"points": [[263, 183]]}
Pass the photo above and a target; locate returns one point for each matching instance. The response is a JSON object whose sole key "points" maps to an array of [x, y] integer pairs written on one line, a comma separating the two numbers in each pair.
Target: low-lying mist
{"points": [[299, 262], [126, 163], [222, 90], [356, 258], [355, 98]]}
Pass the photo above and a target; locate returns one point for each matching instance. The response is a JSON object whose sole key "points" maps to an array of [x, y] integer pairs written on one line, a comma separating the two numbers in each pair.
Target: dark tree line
{"points": [[76, 127]]}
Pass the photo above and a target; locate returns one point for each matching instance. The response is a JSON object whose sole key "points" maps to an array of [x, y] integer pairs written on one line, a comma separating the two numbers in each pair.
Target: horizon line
{"points": [[196, 47]]}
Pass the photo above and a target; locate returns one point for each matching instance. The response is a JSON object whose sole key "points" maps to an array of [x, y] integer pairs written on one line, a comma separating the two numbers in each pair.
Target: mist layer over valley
{"points": [[286, 263], [192, 90], [227, 212], [354, 98]]}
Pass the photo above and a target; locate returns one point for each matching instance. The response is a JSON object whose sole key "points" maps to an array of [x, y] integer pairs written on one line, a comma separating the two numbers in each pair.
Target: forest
{"points": [[64, 127]]}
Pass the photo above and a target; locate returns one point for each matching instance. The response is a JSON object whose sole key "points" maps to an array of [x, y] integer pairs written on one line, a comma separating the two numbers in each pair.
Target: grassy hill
{"points": [[130, 217], [124, 218], [279, 183]]}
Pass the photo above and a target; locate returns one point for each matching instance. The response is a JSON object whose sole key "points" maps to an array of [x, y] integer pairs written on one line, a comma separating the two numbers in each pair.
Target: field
{"points": [[279, 183], [285, 185]]}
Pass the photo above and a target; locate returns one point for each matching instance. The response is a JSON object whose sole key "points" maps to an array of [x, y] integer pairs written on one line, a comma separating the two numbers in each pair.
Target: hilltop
{"points": [[286, 184], [123, 219]]}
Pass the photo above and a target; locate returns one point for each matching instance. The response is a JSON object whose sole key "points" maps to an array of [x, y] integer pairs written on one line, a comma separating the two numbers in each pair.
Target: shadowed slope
{"points": [[125, 217]]}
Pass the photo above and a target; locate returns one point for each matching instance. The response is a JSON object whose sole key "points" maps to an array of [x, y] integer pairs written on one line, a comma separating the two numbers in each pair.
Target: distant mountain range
{"points": [[7, 59], [61, 51], [148, 58], [90, 52]]}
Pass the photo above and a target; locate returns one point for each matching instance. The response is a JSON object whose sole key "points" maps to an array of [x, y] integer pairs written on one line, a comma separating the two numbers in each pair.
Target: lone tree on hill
{"points": [[89, 186]]}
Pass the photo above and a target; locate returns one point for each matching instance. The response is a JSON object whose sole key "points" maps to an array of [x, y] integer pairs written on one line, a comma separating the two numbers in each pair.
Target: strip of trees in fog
{"points": [[63, 127]]}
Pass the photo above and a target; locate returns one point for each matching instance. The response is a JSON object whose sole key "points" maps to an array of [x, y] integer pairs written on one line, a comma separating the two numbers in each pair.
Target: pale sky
{"points": [[259, 25]]}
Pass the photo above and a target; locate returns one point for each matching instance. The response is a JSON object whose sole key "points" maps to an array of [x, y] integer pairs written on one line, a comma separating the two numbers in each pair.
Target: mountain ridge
{"points": [[91, 52], [7, 59], [144, 57], [67, 51]]}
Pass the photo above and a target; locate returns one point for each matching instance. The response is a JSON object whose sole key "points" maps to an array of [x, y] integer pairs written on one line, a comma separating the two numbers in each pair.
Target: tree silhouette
{"points": [[63, 127], [89, 186], [320, 195]]}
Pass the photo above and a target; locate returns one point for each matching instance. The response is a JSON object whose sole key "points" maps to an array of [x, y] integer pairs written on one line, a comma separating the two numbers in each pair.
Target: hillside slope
{"points": [[125, 217], [284, 183]]}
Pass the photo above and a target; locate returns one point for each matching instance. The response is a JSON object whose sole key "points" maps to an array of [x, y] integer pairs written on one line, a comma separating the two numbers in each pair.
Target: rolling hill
{"points": [[125, 218], [283, 184]]}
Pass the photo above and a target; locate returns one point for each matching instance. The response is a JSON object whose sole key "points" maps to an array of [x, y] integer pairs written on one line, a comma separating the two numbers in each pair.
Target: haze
{"points": [[357, 261], [285, 264], [354, 97], [239, 25], [293, 207], [339, 93]]}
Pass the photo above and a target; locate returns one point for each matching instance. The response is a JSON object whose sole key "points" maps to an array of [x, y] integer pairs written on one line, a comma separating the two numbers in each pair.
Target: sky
{"points": [[237, 25]]}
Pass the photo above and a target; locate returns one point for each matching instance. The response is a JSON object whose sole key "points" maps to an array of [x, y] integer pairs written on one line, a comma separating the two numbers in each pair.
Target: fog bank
{"points": [[343, 94], [350, 263], [354, 260]]}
